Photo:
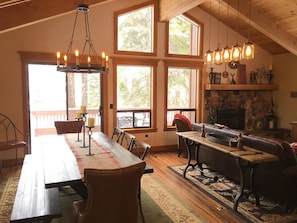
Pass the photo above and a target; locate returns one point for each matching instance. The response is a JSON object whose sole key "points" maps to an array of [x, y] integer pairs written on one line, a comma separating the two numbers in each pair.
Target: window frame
{"points": [[200, 40], [137, 62], [198, 103], [154, 4]]}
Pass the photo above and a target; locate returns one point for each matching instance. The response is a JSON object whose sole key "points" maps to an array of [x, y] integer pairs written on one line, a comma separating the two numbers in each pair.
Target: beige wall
{"points": [[285, 74], [54, 34]]}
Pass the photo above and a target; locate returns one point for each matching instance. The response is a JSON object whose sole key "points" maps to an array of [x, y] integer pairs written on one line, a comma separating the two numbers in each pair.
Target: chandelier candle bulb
{"points": [[83, 109], [106, 65], [103, 59], [58, 58], [91, 122], [89, 61], [65, 60], [77, 57]]}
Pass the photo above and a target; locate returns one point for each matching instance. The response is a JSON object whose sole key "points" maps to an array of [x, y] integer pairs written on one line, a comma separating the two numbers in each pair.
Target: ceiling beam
{"points": [[264, 25], [24, 13], [169, 9]]}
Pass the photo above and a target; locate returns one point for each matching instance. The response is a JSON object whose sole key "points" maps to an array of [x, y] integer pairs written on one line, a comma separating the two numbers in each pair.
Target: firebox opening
{"points": [[233, 118]]}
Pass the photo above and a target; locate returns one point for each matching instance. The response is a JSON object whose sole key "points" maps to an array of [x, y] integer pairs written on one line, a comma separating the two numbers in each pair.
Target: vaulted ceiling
{"points": [[271, 24]]}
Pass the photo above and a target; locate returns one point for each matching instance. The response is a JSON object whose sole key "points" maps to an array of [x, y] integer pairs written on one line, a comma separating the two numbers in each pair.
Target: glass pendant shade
{"points": [[217, 56], [236, 53], [209, 57], [248, 51], [226, 54]]}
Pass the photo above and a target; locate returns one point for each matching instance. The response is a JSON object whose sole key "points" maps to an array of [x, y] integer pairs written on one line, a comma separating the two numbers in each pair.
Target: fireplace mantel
{"points": [[241, 87]]}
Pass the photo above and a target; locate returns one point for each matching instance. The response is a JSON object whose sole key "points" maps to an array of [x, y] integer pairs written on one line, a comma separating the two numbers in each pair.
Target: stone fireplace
{"points": [[255, 104]]}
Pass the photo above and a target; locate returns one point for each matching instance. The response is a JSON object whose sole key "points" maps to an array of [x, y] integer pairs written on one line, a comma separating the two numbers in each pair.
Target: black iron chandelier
{"points": [[86, 61]]}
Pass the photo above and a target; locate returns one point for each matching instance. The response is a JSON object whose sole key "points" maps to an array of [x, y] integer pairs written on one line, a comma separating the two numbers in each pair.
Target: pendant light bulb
{"points": [[209, 57], [236, 53], [217, 56], [248, 51]]}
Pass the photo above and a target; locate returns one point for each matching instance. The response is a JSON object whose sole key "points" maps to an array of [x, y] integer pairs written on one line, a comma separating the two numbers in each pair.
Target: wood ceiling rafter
{"points": [[30, 12]]}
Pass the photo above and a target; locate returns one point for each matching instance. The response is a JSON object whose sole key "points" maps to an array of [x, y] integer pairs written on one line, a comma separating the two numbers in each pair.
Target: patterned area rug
{"points": [[8, 189], [158, 204], [224, 191]]}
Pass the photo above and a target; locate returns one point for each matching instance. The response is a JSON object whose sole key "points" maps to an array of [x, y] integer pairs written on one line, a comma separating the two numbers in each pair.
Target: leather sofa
{"points": [[276, 180]]}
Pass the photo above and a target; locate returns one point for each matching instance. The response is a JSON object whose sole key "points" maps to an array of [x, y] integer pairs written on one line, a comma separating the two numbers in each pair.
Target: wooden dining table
{"points": [[64, 160]]}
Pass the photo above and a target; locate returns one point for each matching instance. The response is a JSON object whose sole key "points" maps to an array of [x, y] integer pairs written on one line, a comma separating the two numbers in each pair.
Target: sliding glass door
{"points": [[57, 96]]}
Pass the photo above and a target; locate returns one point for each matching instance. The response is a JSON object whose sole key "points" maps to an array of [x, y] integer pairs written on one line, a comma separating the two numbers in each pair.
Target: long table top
{"points": [[252, 155], [64, 160]]}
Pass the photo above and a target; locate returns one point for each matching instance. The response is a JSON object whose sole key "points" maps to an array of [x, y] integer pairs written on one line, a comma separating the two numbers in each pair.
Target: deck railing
{"points": [[42, 122]]}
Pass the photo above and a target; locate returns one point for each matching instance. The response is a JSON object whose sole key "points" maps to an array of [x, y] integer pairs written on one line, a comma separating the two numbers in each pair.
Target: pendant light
{"points": [[248, 48], [209, 53], [236, 49], [227, 50], [217, 55]]}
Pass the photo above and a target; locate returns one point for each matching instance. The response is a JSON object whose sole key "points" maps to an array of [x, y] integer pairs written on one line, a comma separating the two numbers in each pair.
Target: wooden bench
{"points": [[33, 202]]}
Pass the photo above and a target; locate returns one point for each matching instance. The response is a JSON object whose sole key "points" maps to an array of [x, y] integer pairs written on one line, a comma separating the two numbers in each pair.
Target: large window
{"points": [[136, 29], [184, 37], [134, 94], [182, 91]]}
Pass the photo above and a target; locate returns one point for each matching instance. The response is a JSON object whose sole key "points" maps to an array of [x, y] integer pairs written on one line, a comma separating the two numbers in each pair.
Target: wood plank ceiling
{"points": [[271, 23]]}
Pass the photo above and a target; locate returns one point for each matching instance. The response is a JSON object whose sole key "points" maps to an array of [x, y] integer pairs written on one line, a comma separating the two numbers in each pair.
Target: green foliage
{"points": [[135, 30]]}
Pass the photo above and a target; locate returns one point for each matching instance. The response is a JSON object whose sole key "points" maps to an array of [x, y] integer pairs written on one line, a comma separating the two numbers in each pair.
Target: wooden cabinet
{"points": [[241, 87]]}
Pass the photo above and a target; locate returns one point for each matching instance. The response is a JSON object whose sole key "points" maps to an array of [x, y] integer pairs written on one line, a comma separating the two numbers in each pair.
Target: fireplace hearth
{"points": [[233, 118]]}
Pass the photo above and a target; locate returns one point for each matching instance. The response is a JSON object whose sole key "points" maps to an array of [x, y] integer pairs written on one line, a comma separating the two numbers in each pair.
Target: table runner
{"points": [[102, 158]]}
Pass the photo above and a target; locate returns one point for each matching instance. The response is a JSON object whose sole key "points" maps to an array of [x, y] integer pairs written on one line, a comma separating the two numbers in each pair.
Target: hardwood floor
{"points": [[210, 210]]}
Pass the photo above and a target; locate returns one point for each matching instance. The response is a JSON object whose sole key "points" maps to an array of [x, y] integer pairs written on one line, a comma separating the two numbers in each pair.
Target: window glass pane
{"points": [[142, 119], [181, 88], [125, 120], [183, 36], [181, 95], [135, 30], [84, 89], [134, 87]]}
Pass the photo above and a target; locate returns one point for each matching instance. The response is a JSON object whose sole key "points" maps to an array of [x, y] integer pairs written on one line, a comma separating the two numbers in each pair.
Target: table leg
{"points": [[241, 165], [252, 173], [240, 193], [189, 144]]}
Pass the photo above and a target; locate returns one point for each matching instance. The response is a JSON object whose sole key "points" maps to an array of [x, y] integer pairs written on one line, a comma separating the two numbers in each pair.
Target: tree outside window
{"points": [[135, 30]]}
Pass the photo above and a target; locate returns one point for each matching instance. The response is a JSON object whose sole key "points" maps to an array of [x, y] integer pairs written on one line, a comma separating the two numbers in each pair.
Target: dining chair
{"points": [[112, 195], [140, 148], [117, 134], [63, 127], [10, 138], [127, 140]]}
